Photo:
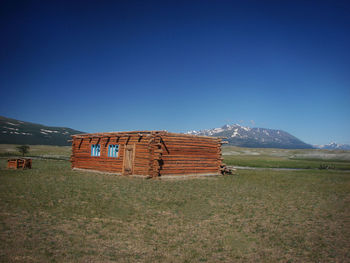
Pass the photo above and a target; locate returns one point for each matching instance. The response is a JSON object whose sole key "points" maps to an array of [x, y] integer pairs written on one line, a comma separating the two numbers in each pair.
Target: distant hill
{"points": [[333, 146], [20, 132], [255, 137]]}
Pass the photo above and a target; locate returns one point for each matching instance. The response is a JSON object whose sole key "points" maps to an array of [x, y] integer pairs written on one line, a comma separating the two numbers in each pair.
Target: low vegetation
{"points": [[23, 149], [38, 151], [284, 158], [52, 214]]}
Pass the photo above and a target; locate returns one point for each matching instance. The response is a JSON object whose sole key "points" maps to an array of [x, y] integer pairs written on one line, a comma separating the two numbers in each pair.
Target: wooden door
{"points": [[129, 159]]}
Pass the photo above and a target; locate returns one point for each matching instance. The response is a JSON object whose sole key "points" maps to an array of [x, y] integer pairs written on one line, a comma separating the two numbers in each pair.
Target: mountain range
{"points": [[242, 136], [20, 132], [333, 146]]}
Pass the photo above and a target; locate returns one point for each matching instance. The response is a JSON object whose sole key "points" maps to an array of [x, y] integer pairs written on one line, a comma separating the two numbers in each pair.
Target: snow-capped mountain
{"points": [[333, 146], [254, 137], [20, 132]]}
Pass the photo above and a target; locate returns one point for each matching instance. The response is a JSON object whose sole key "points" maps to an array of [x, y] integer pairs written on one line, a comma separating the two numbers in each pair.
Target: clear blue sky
{"points": [[178, 65]]}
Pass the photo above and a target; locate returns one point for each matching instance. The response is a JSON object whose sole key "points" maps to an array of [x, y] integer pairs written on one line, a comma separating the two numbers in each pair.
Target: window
{"points": [[95, 150], [113, 150]]}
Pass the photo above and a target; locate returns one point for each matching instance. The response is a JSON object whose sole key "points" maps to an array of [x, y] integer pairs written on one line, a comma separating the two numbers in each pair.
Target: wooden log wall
{"points": [[81, 153], [184, 154], [155, 153], [19, 163]]}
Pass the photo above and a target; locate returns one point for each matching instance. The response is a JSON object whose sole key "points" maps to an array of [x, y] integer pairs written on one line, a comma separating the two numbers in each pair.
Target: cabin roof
{"points": [[140, 133]]}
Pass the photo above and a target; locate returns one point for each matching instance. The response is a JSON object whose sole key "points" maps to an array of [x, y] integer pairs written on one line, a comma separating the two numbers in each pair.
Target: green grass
{"points": [[283, 158], [42, 151], [52, 214], [280, 162]]}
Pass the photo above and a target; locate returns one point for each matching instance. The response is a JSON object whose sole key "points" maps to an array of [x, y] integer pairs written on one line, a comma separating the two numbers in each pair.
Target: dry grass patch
{"points": [[51, 213]]}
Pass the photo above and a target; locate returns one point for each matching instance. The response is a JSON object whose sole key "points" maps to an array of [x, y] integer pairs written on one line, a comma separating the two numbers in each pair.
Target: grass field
{"points": [[45, 151], [285, 158], [52, 214]]}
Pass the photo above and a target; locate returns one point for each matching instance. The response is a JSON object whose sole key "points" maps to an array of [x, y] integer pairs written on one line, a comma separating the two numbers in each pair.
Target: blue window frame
{"points": [[113, 150], [95, 150]]}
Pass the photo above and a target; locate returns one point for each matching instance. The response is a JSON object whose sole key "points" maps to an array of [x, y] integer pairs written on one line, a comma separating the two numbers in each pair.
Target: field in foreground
{"points": [[52, 214]]}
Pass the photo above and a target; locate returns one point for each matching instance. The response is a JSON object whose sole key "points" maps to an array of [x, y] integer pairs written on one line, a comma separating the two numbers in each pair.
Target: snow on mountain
{"points": [[19, 132], [333, 146], [254, 137]]}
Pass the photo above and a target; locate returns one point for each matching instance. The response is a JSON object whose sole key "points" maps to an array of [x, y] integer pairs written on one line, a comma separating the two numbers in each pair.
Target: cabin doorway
{"points": [[129, 159]]}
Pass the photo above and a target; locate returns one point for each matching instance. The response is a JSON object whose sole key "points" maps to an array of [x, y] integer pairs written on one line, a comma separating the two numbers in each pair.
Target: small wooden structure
{"points": [[19, 163], [147, 153]]}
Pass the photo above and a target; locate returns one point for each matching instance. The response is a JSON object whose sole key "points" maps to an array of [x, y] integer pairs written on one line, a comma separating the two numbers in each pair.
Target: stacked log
{"points": [[186, 154], [226, 170], [155, 153], [81, 152], [19, 163]]}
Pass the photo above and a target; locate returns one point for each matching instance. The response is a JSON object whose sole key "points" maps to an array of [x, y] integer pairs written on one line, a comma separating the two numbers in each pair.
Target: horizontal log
{"points": [[190, 157], [180, 153], [189, 172], [156, 134]]}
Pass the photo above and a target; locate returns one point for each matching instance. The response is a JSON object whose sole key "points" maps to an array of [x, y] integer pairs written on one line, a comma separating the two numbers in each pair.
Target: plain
{"points": [[50, 213]]}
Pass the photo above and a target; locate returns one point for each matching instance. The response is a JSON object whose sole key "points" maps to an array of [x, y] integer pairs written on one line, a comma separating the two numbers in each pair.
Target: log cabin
{"points": [[147, 154], [19, 163]]}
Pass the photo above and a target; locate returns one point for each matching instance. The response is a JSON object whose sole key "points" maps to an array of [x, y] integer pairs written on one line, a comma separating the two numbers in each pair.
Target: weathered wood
{"points": [[19, 163], [153, 153], [128, 166]]}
